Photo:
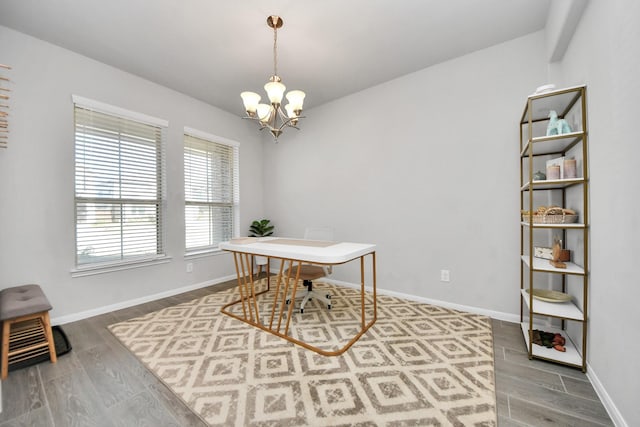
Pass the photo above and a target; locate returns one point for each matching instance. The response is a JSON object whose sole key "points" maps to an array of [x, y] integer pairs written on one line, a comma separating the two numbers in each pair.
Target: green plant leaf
{"points": [[261, 228]]}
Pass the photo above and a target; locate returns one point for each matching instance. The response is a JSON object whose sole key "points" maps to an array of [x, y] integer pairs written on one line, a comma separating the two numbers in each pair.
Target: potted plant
{"points": [[261, 228]]}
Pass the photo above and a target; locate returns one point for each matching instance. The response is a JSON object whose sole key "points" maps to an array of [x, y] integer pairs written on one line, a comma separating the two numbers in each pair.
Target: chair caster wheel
{"points": [[287, 301], [328, 296], [328, 306], [301, 310]]}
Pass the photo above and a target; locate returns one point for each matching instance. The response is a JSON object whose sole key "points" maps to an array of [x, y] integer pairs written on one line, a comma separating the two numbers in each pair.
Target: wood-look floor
{"points": [[99, 383]]}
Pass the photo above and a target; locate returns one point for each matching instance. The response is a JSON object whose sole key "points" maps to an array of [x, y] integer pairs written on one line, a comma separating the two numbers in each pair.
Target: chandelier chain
{"points": [[275, 51]]}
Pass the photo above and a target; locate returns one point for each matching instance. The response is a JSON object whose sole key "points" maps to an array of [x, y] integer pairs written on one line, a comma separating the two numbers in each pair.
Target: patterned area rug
{"points": [[418, 364]]}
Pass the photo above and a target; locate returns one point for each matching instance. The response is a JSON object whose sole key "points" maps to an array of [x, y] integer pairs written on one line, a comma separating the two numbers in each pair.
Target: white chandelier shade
{"points": [[275, 91]]}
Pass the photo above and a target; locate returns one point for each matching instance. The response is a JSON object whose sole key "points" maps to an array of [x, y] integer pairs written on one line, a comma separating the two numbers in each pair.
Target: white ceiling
{"points": [[212, 49]]}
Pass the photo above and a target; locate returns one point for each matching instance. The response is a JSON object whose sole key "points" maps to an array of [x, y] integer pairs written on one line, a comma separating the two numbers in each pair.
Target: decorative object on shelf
{"points": [[552, 171], [544, 89], [550, 296], [557, 126], [539, 176], [271, 116], [550, 215], [542, 252], [261, 228], [548, 339], [555, 261], [569, 169], [547, 253], [4, 107]]}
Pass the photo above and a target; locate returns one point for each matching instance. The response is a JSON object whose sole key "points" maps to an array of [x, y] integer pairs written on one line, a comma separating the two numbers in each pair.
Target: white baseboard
{"points": [[606, 400], [61, 320], [130, 303], [509, 317]]}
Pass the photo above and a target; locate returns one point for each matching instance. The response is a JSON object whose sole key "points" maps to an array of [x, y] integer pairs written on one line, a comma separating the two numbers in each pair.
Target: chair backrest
{"points": [[319, 233]]}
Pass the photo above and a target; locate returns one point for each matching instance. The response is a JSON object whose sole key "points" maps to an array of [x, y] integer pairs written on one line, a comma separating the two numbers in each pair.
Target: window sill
{"points": [[203, 253], [108, 268]]}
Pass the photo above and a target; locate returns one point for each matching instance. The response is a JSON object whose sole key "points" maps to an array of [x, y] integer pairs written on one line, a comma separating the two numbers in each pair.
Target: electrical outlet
{"points": [[444, 275], [189, 267]]}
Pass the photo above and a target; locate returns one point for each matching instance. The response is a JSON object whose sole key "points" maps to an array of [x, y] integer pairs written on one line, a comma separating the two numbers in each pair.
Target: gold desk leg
{"points": [[285, 291], [253, 288], [287, 284], [269, 273], [275, 300], [293, 297], [362, 294], [375, 296], [247, 294], [235, 260], [246, 288]]}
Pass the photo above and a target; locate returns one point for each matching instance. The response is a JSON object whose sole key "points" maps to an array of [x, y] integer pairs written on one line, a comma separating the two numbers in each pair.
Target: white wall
{"points": [[605, 54], [36, 176], [425, 166], [561, 24]]}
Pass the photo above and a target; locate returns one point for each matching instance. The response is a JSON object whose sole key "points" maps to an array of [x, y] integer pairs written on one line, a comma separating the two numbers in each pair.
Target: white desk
{"points": [[292, 252]]}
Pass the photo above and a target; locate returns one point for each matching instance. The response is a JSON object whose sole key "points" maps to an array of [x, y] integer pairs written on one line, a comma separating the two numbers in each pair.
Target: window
{"points": [[211, 190], [118, 185]]}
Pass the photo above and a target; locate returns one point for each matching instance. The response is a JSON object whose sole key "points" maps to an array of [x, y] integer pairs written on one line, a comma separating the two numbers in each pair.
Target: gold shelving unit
{"points": [[536, 147]]}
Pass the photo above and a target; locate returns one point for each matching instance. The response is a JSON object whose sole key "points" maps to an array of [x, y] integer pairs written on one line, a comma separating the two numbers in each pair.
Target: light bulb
{"points": [[275, 91], [250, 100], [290, 111], [264, 112], [296, 99]]}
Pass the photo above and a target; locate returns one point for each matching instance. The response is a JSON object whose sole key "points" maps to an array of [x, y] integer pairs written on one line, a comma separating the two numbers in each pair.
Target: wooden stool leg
{"points": [[6, 330], [49, 334]]}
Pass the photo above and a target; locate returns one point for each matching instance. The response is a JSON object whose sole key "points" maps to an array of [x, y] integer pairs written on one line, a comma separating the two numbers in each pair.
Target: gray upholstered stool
{"points": [[26, 328]]}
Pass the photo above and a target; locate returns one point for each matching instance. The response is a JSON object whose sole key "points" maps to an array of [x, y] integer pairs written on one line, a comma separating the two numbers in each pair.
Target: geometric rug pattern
{"points": [[418, 365]]}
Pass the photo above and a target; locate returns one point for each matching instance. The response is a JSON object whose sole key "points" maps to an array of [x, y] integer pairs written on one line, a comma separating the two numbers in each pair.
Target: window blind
{"points": [[118, 188], [211, 192]]}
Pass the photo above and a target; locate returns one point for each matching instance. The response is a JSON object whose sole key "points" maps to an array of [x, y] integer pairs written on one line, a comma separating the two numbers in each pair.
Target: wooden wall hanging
{"points": [[4, 105]]}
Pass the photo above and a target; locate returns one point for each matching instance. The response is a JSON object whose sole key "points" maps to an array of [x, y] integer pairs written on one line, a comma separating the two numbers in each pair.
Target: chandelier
{"points": [[270, 116]]}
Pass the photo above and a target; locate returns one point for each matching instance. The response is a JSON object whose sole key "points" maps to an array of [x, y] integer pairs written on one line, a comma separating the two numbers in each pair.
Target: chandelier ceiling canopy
{"points": [[271, 116]]}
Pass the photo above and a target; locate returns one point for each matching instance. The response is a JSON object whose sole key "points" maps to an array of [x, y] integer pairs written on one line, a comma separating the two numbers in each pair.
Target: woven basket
{"points": [[551, 219], [551, 215]]}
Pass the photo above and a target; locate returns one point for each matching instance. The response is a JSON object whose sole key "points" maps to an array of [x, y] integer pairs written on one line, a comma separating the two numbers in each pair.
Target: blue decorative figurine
{"points": [[557, 126]]}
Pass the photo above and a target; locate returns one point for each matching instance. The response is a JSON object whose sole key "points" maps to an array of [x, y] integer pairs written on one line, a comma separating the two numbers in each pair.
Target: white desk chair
{"points": [[310, 272], [260, 262]]}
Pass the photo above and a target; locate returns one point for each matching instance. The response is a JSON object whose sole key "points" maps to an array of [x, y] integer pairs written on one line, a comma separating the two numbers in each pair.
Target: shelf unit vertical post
{"points": [[530, 194], [585, 198]]}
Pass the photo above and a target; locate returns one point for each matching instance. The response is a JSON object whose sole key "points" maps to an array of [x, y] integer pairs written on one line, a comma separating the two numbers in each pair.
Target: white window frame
{"points": [[235, 204], [83, 269]]}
